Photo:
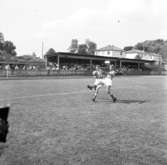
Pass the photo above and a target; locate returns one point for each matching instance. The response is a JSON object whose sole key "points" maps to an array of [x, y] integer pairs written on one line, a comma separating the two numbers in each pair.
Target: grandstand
{"points": [[85, 63], [68, 64]]}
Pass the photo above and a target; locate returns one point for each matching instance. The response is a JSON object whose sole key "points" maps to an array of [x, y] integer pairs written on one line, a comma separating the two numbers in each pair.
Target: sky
{"points": [[28, 23]]}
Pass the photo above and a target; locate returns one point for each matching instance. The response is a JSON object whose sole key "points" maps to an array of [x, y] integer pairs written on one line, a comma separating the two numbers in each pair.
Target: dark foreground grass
{"points": [[54, 122]]}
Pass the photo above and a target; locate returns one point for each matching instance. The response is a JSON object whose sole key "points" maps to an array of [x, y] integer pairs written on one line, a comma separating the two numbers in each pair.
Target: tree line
{"points": [[89, 47], [7, 49], [158, 46]]}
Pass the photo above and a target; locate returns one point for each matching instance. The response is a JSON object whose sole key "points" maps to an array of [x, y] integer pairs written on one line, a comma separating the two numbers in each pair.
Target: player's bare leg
{"points": [[110, 94], [96, 92]]}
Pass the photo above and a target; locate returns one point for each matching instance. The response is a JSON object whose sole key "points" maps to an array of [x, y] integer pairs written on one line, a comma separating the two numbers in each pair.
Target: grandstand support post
{"points": [[138, 66], [58, 61], [120, 64], [91, 67], [115, 64]]}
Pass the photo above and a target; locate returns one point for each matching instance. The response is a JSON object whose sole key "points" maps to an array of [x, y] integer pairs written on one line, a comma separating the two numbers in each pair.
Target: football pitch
{"points": [[55, 122]]}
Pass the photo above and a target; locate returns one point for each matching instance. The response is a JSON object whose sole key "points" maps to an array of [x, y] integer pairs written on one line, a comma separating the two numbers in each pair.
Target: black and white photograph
{"points": [[83, 82]]}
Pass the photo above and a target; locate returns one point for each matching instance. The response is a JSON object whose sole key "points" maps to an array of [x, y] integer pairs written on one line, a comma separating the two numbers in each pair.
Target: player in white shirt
{"points": [[103, 79], [98, 75], [7, 68], [108, 81], [98, 83]]}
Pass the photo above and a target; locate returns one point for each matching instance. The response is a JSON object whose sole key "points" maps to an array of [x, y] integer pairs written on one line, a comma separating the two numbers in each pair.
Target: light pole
{"points": [[42, 49]]}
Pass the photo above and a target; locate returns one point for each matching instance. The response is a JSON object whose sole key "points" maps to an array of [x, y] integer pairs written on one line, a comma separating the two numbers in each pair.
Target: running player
{"points": [[101, 81], [98, 75], [108, 82]]}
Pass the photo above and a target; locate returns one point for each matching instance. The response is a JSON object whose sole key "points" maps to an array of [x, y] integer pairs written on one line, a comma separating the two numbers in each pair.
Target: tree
{"points": [[91, 47], [4, 55], [1, 46], [50, 52], [2, 40], [153, 46], [163, 51], [82, 49], [139, 46], [9, 47], [158, 46], [127, 48]]}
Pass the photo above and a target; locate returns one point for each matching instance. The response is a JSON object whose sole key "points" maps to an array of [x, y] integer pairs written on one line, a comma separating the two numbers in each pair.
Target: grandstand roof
{"points": [[94, 57]]}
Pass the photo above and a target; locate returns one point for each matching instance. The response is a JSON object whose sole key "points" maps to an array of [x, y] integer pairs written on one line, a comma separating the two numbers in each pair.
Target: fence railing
{"points": [[20, 73], [33, 73]]}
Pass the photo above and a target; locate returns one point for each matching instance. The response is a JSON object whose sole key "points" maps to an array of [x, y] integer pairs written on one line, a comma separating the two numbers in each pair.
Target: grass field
{"points": [[54, 122]]}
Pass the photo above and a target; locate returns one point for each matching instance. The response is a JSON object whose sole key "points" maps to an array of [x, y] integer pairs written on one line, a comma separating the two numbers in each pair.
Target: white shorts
{"points": [[99, 82], [107, 82]]}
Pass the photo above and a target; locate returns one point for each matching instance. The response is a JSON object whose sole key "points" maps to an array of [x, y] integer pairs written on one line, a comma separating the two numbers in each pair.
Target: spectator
{"points": [[16, 67], [7, 68], [48, 70]]}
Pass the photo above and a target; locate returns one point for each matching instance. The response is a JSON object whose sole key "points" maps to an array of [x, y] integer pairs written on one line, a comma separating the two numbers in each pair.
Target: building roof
{"points": [[135, 51], [109, 48]]}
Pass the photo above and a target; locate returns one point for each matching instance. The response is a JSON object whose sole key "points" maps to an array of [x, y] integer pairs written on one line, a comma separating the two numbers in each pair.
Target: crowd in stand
{"points": [[131, 69], [18, 67], [52, 68], [86, 68]]}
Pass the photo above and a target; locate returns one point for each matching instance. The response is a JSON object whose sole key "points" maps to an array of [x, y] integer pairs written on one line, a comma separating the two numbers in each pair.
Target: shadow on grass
{"points": [[131, 101], [124, 101]]}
